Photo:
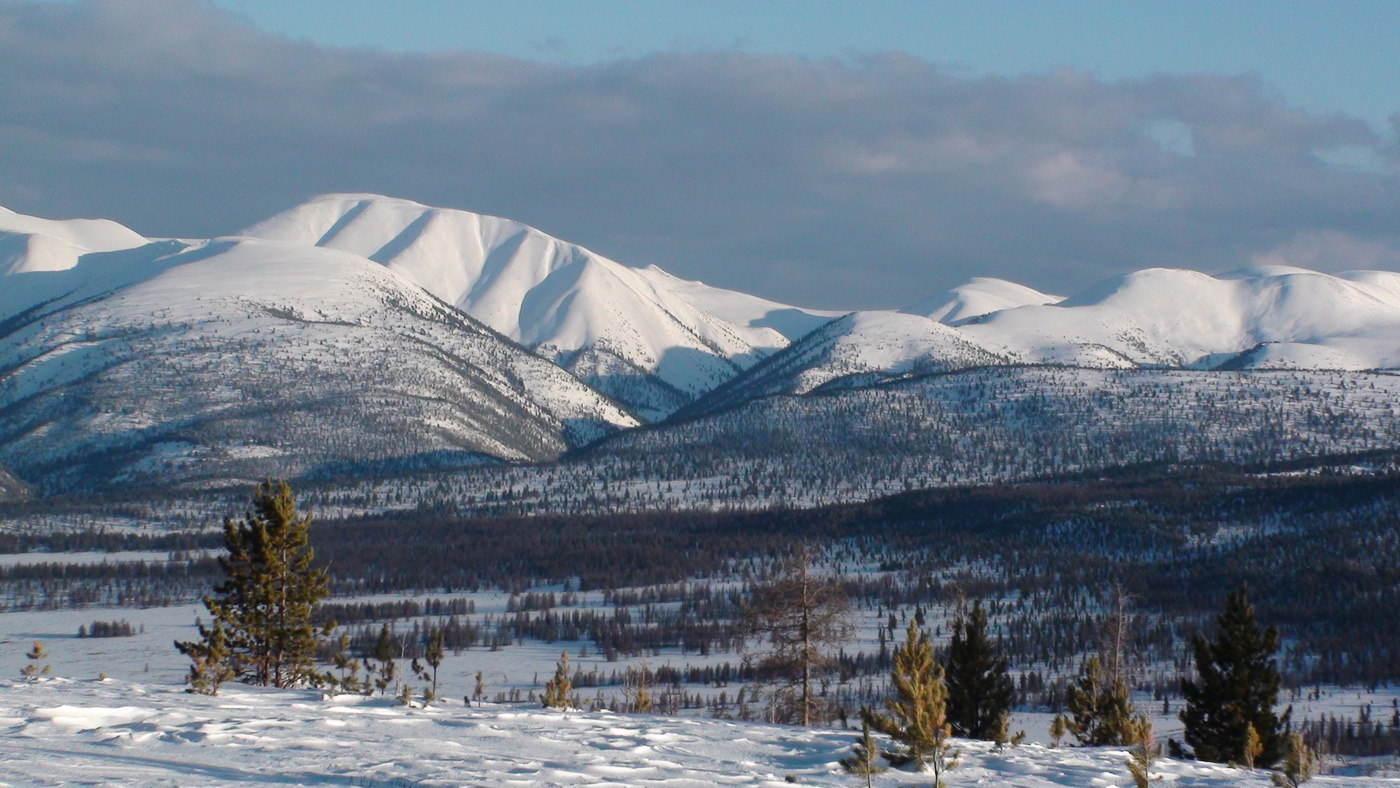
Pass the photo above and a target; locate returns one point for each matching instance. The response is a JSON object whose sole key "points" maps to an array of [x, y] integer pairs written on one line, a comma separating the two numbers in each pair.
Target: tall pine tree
{"points": [[980, 692], [262, 610], [1236, 687]]}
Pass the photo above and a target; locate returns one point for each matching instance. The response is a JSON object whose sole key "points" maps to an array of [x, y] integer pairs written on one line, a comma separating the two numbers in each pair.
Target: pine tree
{"points": [[433, 655], [266, 600], [209, 660], [1102, 711], [980, 691], [1059, 726], [1237, 686], [1143, 755], [1298, 764], [479, 692], [803, 617], [384, 653], [557, 689], [864, 758], [917, 720], [1253, 746], [37, 657], [349, 667]]}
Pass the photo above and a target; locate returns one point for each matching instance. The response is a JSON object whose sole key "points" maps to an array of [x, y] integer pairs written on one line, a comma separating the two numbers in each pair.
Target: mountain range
{"points": [[358, 334]]}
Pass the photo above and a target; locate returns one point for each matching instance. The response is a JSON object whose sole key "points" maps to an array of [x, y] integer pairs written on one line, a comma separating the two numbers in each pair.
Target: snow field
{"points": [[65, 732]]}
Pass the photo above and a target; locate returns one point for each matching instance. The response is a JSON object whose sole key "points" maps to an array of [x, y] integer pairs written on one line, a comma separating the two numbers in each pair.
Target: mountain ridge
{"points": [[403, 336]]}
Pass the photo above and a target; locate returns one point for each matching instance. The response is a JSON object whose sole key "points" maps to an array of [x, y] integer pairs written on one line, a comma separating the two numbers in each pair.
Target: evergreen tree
{"points": [[917, 720], [864, 758], [803, 616], [1237, 687], [432, 655], [265, 603], [1059, 726], [1298, 764], [209, 660], [1143, 755], [349, 667], [479, 692], [1102, 711], [980, 691], [557, 689], [384, 653]]}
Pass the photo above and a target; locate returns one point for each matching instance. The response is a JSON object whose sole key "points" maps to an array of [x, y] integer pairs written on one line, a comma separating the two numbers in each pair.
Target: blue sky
{"points": [[1322, 56], [835, 155]]}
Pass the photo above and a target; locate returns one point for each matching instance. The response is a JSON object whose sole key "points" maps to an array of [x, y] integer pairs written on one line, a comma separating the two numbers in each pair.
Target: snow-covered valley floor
{"points": [[111, 732]]}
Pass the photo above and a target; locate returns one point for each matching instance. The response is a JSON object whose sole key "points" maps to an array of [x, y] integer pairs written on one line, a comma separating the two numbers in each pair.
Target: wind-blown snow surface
{"points": [[62, 732], [624, 331], [234, 359]]}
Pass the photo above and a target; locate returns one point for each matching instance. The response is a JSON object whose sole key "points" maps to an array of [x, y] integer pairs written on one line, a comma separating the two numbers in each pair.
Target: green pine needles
{"points": [[262, 631], [917, 718], [1235, 691], [864, 760], [980, 692]]}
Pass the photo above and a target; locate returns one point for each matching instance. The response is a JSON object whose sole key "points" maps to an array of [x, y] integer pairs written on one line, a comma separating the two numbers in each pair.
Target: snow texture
{"points": [[62, 732]]}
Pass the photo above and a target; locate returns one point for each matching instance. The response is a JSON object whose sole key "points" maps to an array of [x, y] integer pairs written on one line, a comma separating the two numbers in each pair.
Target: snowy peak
{"points": [[1173, 317], [28, 243], [859, 349], [981, 296], [633, 334], [232, 359]]}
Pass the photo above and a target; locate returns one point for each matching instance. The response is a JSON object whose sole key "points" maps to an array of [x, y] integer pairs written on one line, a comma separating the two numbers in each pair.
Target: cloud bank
{"points": [[868, 181]]}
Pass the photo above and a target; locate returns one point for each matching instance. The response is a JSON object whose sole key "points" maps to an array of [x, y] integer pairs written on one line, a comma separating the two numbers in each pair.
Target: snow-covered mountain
{"points": [[858, 349], [643, 337], [981, 296], [238, 358], [1255, 318], [28, 243], [357, 332], [1261, 317]]}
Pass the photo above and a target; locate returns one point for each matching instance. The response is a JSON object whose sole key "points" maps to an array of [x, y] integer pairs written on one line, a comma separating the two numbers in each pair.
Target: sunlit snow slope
{"points": [[629, 333], [236, 359], [1253, 318]]}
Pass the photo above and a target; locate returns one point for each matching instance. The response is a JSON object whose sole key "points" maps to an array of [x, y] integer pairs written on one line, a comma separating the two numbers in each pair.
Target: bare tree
{"points": [[802, 616]]}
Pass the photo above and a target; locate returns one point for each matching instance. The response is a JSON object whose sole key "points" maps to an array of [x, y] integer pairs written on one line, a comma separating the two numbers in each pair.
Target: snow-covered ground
{"points": [[67, 732]]}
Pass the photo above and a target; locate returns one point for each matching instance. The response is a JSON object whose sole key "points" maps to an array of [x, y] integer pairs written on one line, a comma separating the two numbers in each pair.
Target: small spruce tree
{"points": [[1253, 747], [384, 653], [1102, 711], [349, 667], [980, 691], [557, 689], [479, 691], [864, 758], [210, 660], [1144, 753], [917, 718], [1299, 762], [1236, 687], [1059, 726]]}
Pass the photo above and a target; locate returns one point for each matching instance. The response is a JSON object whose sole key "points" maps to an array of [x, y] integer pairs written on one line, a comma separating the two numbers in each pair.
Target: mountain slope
{"points": [[860, 349], [981, 296], [28, 243], [236, 359], [1268, 317], [624, 331]]}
